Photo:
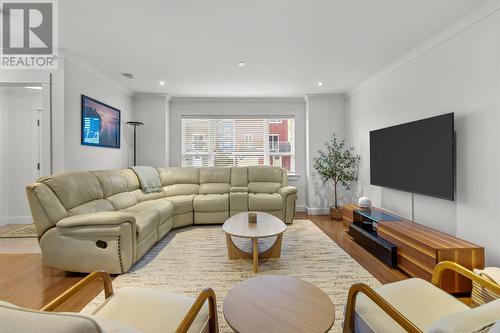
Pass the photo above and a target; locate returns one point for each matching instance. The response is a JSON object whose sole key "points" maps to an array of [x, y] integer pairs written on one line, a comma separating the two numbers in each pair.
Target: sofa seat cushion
{"points": [[418, 300], [151, 310], [164, 207], [146, 220], [182, 203], [211, 203], [265, 201]]}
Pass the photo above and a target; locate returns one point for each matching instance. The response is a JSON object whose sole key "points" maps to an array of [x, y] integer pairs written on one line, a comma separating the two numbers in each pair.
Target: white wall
{"points": [[243, 107], [19, 146], [3, 153], [325, 115], [152, 137], [459, 73], [80, 78]]}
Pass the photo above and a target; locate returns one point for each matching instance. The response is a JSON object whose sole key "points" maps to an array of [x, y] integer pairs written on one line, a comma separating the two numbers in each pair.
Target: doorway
{"points": [[20, 149]]}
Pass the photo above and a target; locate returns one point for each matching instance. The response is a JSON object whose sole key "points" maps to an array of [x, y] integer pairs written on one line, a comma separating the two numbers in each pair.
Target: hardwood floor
{"points": [[334, 229], [24, 281]]}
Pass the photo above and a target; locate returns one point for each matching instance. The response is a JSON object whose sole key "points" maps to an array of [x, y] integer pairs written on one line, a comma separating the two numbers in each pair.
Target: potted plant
{"points": [[338, 164]]}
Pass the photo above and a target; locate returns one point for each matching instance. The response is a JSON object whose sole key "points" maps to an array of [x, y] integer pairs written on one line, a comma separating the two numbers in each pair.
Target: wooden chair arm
{"points": [[381, 303], [441, 267], [102, 275], [206, 294]]}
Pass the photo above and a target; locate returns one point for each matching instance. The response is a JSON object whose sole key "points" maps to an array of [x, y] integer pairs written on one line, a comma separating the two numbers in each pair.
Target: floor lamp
{"points": [[135, 124]]}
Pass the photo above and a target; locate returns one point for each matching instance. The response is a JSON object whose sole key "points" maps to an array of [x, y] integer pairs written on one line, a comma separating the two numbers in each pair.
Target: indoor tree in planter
{"points": [[338, 164]]}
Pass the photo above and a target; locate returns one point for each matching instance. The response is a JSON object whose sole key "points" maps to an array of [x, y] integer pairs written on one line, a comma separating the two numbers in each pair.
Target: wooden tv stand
{"points": [[420, 248]]}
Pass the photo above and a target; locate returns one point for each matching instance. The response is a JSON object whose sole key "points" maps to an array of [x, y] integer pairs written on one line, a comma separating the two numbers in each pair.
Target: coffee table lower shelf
{"points": [[234, 252]]}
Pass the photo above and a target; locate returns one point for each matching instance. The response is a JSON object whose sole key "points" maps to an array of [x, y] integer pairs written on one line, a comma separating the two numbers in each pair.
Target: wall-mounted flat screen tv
{"points": [[100, 124], [416, 157]]}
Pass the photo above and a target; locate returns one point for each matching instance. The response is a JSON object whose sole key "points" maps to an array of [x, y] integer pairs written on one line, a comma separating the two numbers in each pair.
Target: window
{"points": [[238, 142], [199, 143], [274, 142]]}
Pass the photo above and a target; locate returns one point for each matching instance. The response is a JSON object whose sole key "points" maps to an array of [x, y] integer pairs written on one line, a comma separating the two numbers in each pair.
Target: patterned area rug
{"points": [[188, 260], [25, 231]]}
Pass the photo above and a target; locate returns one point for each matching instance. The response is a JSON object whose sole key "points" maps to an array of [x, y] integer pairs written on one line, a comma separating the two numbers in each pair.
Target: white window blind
{"points": [[238, 142]]}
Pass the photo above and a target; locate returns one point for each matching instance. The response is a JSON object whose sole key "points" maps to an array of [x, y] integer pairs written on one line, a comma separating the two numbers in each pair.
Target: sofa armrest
{"points": [[443, 266], [95, 219], [289, 196], [385, 306], [287, 190]]}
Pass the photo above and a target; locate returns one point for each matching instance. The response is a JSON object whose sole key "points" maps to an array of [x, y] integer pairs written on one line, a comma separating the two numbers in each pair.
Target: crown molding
{"points": [[175, 99], [139, 95], [326, 97], [66, 55], [482, 11]]}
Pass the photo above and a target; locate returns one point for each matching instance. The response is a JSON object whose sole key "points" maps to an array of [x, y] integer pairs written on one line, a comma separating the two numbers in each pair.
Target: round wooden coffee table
{"points": [[267, 226], [278, 304]]}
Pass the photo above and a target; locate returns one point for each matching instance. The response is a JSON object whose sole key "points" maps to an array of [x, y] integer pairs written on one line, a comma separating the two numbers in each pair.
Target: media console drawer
{"points": [[420, 248], [380, 248]]}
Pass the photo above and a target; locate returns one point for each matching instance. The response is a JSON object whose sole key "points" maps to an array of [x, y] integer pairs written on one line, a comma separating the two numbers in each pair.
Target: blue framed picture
{"points": [[100, 124]]}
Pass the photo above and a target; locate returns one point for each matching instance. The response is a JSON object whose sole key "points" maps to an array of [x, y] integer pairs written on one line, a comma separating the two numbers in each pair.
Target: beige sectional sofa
{"points": [[102, 220]]}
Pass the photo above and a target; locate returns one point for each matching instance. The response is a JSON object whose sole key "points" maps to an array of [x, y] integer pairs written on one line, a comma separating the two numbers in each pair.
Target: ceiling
{"points": [[288, 45]]}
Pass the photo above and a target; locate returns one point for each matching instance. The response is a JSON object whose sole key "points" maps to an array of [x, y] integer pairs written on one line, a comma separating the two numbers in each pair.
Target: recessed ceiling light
{"points": [[241, 64], [129, 76], [161, 83], [33, 87], [320, 83]]}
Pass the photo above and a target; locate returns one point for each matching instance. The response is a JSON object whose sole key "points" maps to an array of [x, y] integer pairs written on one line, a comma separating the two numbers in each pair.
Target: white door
{"points": [[36, 142]]}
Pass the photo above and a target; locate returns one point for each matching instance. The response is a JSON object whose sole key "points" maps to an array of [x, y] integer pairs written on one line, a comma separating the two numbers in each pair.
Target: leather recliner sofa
{"points": [[102, 220]]}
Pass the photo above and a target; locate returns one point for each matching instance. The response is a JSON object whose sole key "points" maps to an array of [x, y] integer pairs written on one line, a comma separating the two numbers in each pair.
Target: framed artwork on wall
{"points": [[100, 124]]}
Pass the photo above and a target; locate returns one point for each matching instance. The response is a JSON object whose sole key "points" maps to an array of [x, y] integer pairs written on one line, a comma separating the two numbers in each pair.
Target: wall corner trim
{"points": [[476, 15]]}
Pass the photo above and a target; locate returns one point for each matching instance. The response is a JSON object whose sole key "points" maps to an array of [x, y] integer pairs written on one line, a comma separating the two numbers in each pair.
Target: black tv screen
{"points": [[416, 157]]}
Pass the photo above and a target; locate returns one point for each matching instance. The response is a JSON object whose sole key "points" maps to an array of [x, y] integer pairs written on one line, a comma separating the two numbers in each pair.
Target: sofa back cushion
{"points": [[75, 188], [179, 181], [214, 180], [265, 179], [174, 176], [131, 178], [215, 175], [115, 188], [239, 177]]}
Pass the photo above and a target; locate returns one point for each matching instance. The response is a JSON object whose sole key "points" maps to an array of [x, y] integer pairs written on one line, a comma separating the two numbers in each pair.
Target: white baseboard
{"points": [[300, 208], [317, 211], [16, 220]]}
